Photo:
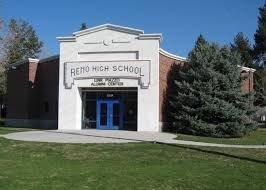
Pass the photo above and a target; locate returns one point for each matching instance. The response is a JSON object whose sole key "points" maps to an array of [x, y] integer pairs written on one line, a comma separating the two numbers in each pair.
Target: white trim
{"points": [[31, 60], [176, 57], [109, 26], [247, 69], [155, 36], [66, 39], [139, 33]]}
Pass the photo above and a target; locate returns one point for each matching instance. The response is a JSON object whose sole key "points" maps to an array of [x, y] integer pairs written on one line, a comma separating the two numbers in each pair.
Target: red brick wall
{"points": [[248, 83], [46, 81], [17, 92], [29, 86], [165, 69]]}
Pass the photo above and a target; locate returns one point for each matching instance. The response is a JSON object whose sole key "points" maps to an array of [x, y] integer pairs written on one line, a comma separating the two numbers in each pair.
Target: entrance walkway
{"points": [[109, 136]]}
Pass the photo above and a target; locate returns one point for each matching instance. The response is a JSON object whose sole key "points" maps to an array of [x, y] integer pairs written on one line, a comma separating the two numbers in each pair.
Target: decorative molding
{"points": [[111, 27], [176, 57], [156, 36], [139, 33], [247, 69], [89, 43], [120, 41], [136, 69], [66, 39], [107, 42]]}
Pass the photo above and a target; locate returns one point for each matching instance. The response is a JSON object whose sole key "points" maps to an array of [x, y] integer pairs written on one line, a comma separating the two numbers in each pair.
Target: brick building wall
{"points": [[248, 82], [17, 91], [46, 81], [32, 87], [167, 67]]}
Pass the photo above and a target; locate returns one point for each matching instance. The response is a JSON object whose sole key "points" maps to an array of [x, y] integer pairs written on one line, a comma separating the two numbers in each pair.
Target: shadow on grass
{"points": [[174, 145], [215, 152], [100, 136], [200, 149]]}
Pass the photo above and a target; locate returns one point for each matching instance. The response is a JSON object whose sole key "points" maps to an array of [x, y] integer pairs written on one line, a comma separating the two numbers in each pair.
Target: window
{"points": [[46, 107]]}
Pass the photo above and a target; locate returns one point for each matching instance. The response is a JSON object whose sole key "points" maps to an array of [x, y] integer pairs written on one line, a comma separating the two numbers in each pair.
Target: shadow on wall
{"points": [[167, 118]]}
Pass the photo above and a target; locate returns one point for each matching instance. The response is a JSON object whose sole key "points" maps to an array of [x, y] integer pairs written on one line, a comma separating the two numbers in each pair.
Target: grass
{"points": [[255, 138], [51, 166]]}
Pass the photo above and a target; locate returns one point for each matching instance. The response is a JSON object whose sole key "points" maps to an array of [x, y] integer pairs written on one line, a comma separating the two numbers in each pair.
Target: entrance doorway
{"points": [[109, 114], [110, 108]]}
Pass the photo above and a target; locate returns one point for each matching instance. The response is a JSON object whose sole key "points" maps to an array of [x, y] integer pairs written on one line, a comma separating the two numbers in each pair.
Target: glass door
{"points": [[109, 114]]}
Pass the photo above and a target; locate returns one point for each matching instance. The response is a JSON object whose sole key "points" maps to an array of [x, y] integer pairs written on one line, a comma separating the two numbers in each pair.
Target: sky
{"points": [[179, 21]]}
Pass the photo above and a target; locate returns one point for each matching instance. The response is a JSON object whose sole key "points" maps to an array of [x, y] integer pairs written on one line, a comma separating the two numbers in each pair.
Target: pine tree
{"points": [[18, 43], [260, 56], [21, 41], [207, 98], [242, 46], [260, 87], [83, 26], [260, 35]]}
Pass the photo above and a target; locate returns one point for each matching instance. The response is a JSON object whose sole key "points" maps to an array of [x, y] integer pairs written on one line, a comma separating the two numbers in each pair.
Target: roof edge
{"points": [[247, 69], [170, 55], [109, 26], [33, 60], [66, 39], [151, 36]]}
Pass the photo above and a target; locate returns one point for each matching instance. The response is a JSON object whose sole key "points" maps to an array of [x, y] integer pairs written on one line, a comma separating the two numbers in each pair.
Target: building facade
{"points": [[105, 77]]}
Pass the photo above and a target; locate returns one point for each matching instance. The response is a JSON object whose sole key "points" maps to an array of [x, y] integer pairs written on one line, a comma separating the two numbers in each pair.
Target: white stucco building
{"points": [[124, 60]]}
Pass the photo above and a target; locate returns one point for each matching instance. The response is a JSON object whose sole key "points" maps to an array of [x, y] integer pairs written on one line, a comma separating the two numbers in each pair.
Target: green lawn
{"points": [[255, 138], [39, 166]]}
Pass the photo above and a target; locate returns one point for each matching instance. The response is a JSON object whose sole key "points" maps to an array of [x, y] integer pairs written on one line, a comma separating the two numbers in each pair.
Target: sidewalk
{"points": [[110, 136]]}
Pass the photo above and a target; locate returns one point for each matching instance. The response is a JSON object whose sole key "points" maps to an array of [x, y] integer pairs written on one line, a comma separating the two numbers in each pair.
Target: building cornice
{"points": [[139, 33], [155, 36], [170, 55], [111, 27], [247, 69], [66, 39]]}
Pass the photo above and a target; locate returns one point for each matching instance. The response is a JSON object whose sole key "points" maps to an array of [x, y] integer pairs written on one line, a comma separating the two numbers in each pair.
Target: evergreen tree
{"points": [[207, 98], [21, 41], [17, 43], [242, 46], [260, 87], [260, 56], [83, 26], [260, 36]]}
